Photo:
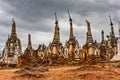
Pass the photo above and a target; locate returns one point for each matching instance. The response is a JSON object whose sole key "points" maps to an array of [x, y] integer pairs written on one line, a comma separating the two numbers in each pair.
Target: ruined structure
{"points": [[103, 47], [29, 50], [26, 58], [55, 53], [116, 57], [90, 48], [40, 52], [12, 48], [55, 49], [110, 46], [113, 39], [72, 49]]}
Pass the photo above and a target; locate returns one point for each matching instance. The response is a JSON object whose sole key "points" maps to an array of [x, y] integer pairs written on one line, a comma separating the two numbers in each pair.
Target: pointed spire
{"points": [[88, 27], [13, 32], [70, 19], [71, 27], [102, 35], [112, 29], [56, 32], [89, 34], [110, 20], [56, 21], [29, 42]]}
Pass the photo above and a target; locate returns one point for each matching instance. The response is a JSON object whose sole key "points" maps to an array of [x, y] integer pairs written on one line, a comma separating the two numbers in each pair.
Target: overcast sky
{"points": [[37, 18]]}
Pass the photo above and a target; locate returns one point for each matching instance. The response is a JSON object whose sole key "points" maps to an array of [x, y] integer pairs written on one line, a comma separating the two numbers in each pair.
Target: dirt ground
{"points": [[84, 72]]}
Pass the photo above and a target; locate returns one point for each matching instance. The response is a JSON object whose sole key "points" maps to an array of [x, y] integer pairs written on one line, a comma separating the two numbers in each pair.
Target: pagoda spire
{"points": [[13, 32], [102, 35], [86, 37], [56, 21], [56, 32], [71, 27], [89, 34], [111, 24], [29, 42], [88, 27]]}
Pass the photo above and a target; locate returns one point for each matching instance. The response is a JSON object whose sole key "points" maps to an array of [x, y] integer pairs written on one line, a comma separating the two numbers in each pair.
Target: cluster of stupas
{"points": [[56, 53]]}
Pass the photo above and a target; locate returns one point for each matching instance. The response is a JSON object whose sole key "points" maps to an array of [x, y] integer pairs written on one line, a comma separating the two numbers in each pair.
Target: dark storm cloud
{"points": [[32, 11], [38, 16]]}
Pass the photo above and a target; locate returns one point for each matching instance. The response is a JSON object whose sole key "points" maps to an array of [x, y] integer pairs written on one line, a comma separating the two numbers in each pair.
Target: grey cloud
{"points": [[38, 16]]}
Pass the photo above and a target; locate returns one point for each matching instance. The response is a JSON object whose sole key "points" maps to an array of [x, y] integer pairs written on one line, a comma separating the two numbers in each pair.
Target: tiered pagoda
{"points": [[12, 48]]}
